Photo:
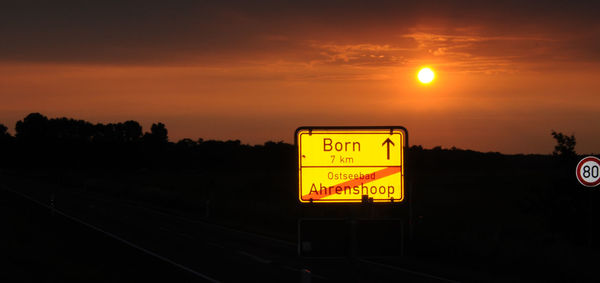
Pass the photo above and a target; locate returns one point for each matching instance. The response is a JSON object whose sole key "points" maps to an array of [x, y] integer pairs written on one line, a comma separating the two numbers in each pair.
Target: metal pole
{"points": [[410, 211], [590, 219], [403, 240]]}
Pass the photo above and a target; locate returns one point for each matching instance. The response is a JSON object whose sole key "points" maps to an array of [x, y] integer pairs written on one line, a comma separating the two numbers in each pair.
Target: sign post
{"points": [[351, 164], [588, 174]]}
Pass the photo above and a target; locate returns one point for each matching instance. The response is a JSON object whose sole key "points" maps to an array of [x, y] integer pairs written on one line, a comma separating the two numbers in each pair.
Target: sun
{"points": [[426, 75]]}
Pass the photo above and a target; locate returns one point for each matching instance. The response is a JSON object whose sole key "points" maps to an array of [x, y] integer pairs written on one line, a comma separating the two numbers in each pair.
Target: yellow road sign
{"points": [[345, 164]]}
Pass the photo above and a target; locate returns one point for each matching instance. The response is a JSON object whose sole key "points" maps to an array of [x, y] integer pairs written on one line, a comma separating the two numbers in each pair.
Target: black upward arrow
{"points": [[388, 141]]}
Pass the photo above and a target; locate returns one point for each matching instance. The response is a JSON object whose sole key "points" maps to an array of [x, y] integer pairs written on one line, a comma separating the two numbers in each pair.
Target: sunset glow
{"points": [[255, 72]]}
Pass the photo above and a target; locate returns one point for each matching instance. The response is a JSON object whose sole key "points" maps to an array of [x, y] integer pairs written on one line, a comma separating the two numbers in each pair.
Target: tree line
{"points": [[42, 142]]}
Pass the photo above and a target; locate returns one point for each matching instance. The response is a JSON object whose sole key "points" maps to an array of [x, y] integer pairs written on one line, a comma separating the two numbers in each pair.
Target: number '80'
{"points": [[592, 171]]}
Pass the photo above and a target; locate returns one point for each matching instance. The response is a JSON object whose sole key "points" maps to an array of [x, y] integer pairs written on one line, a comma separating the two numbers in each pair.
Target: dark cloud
{"points": [[209, 32]]}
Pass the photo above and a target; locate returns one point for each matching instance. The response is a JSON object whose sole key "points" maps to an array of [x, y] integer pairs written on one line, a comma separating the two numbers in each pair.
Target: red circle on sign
{"points": [[578, 170]]}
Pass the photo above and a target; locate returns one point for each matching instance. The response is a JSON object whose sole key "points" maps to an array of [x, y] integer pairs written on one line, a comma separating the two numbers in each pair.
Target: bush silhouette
{"points": [[565, 145]]}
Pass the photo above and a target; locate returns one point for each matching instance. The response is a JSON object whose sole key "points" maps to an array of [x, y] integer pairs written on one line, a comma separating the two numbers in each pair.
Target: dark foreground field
{"points": [[40, 246], [109, 203], [469, 217]]}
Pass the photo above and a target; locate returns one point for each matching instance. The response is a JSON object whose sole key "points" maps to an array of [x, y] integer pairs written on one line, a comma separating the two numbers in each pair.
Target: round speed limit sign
{"points": [[588, 171]]}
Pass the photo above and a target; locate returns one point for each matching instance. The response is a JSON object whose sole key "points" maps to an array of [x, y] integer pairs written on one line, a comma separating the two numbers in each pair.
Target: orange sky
{"points": [[506, 75]]}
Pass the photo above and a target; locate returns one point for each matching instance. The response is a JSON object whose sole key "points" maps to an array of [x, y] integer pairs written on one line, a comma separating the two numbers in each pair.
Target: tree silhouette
{"points": [[6, 142], [127, 132], [32, 129], [565, 145], [131, 131], [186, 143], [158, 134], [4, 135], [69, 131]]}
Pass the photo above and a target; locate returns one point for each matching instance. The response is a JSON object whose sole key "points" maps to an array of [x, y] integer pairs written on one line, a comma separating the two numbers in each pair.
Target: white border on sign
{"points": [[578, 169]]}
